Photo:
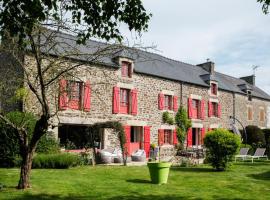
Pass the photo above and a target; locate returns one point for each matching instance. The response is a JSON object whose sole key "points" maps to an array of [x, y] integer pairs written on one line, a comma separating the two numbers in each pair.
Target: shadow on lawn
{"points": [[28, 196], [192, 169], [261, 176], [139, 181]]}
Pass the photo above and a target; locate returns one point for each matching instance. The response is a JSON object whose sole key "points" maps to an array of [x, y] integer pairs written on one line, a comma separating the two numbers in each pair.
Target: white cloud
{"points": [[234, 34]]}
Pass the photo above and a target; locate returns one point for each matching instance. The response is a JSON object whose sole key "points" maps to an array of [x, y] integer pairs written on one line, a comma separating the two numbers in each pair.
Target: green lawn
{"points": [[242, 181]]}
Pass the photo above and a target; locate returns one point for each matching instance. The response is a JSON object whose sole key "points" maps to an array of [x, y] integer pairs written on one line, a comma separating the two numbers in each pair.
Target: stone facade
{"points": [[103, 79]]}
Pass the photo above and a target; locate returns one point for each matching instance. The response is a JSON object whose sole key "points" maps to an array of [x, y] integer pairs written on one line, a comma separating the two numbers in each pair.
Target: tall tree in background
{"points": [[265, 6], [26, 23]]}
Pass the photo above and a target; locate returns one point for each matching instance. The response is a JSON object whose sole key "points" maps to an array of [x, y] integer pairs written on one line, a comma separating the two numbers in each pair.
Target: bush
{"points": [[221, 146], [255, 137], [267, 141], [55, 161], [47, 145], [167, 118]]}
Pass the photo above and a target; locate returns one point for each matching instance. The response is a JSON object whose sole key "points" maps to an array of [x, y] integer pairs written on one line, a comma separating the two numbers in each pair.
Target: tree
{"points": [[33, 27], [265, 6], [183, 124]]}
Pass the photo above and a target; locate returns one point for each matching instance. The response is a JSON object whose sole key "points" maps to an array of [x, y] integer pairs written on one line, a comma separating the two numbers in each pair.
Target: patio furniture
{"points": [[242, 154], [259, 153], [138, 156]]}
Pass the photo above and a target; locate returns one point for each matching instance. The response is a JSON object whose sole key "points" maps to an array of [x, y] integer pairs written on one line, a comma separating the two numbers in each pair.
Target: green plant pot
{"points": [[159, 171]]}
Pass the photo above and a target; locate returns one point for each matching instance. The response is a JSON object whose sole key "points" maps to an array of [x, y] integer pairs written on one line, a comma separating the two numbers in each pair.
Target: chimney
{"points": [[208, 66], [249, 79]]}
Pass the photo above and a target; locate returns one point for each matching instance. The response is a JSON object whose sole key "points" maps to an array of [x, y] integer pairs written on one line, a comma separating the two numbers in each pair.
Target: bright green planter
{"points": [[159, 171]]}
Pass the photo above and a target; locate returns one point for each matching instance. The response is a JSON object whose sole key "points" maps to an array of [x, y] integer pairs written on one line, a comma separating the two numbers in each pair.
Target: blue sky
{"points": [[233, 34]]}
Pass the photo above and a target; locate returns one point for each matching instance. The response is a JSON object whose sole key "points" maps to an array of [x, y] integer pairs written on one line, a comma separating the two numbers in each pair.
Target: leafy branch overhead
{"points": [[265, 6], [92, 18]]}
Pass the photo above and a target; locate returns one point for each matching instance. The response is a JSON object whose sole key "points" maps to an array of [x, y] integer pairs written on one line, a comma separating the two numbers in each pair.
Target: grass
{"points": [[241, 181]]}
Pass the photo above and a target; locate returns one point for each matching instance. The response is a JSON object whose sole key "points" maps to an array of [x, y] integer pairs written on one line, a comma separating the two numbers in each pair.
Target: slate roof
{"points": [[157, 65]]}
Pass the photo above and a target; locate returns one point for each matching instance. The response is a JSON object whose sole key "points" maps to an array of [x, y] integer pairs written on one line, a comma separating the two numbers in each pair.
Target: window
{"points": [[250, 113], [196, 137], [124, 100], [249, 95], [126, 69], [215, 109], [136, 134], [213, 89], [167, 136], [262, 115], [195, 108], [167, 102], [74, 89]]}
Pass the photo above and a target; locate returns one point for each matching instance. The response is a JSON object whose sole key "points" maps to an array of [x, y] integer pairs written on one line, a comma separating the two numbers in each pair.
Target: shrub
{"points": [[47, 145], [267, 141], [55, 161], [255, 136], [221, 146], [167, 118]]}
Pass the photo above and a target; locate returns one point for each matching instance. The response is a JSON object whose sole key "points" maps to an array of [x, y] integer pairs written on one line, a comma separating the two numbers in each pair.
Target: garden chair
{"points": [[259, 153], [242, 154], [138, 156]]}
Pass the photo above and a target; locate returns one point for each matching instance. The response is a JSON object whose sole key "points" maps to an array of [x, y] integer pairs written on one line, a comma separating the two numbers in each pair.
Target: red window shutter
{"points": [[175, 139], [202, 110], [161, 101], [190, 109], [189, 137], [219, 110], [160, 137], [127, 145], [210, 109], [87, 96], [203, 134], [175, 103], [116, 99], [63, 98], [134, 102], [147, 140]]}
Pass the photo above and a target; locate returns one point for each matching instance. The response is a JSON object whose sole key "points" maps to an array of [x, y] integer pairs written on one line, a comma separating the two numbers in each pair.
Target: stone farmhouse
{"points": [[138, 87]]}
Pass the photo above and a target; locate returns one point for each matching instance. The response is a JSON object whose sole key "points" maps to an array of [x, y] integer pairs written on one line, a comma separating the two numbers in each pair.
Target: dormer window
{"points": [[213, 89], [126, 69]]}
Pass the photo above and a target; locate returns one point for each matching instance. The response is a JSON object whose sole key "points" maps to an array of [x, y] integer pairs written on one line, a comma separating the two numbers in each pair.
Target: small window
{"points": [[126, 69], [249, 95], [167, 136], [250, 113], [213, 89], [196, 108], [262, 115], [215, 109], [124, 100], [167, 102], [74, 89]]}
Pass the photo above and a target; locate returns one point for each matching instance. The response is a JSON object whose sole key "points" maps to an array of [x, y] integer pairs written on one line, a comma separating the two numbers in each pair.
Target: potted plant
{"points": [[159, 171]]}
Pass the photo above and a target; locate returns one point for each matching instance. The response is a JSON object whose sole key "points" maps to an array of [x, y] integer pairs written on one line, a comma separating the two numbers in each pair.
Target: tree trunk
{"points": [[26, 166]]}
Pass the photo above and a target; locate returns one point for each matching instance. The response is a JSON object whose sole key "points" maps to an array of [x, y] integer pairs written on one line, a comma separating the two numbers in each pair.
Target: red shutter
{"points": [[189, 137], [175, 103], [210, 110], [147, 140], [219, 110], [87, 96], [63, 98], [116, 99], [127, 145], [202, 110], [160, 137], [175, 139], [134, 102], [203, 134], [190, 112], [161, 101]]}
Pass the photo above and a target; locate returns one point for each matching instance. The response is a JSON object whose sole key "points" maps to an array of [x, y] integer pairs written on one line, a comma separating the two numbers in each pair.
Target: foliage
{"points": [[221, 146], [47, 145], [167, 118], [255, 137], [98, 18], [267, 140], [183, 124], [55, 161], [265, 6]]}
